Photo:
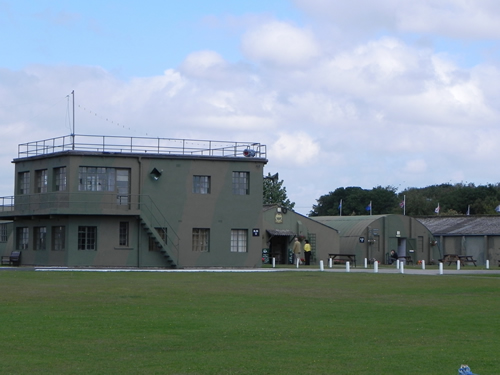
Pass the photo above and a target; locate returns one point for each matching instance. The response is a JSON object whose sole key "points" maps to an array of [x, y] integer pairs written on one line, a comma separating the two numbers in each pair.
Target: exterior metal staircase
{"points": [[151, 218], [165, 249]]}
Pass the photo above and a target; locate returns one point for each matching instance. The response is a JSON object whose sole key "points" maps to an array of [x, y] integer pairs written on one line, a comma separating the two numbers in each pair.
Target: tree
{"points": [[355, 201], [275, 192]]}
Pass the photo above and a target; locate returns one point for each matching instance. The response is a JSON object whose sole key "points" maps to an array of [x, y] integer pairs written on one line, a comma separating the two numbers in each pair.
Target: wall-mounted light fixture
{"points": [[155, 174]]}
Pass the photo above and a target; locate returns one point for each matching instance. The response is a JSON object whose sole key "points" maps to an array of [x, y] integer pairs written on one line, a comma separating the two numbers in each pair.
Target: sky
{"points": [[362, 93]]}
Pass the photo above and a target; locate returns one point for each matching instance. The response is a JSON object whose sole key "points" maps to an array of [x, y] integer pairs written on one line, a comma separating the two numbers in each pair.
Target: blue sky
{"points": [[360, 93], [129, 38]]}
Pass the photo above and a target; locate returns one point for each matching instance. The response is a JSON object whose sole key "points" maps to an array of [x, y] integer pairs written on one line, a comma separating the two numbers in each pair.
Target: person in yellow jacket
{"points": [[307, 253]]}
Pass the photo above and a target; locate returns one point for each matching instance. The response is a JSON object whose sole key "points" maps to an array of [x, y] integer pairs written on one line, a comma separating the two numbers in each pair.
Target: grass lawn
{"points": [[247, 323]]}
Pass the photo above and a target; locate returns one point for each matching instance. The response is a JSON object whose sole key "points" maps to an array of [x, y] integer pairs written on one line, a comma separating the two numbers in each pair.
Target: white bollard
{"points": [[487, 264], [321, 268], [458, 265], [440, 268], [402, 267], [330, 262], [375, 267], [366, 263], [397, 264], [423, 264], [347, 267], [274, 262]]}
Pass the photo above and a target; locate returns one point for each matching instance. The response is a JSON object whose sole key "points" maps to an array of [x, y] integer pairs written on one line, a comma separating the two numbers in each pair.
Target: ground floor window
{"points": [[239, 240], [3, 233], [59, 238], [153, 243], [22, 238], [40, 237], [201, 239], [123, 233], [87, 238]]}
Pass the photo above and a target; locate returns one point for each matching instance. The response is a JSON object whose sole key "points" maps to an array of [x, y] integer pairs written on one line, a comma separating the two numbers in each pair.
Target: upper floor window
{"points": [[24, 182], [96, 179], [201, 184], [41, 181], [239, 240], [241, 183], [60, 179]]}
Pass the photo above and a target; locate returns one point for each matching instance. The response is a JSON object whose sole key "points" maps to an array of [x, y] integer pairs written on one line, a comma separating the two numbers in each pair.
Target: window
{"points": [[58, 238], [87, 238], [239, 240], [153, 244], [24, 183], [40, 236], [3, 232], [201, 184], [123, 235], [123, 186], [241, 183], [201, 239], [22, 238], [60, 179], [96, 179], [41, 181]]}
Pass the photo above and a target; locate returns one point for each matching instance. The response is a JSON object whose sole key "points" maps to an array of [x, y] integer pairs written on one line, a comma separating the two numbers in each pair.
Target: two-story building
{"points": [[108, 201]]}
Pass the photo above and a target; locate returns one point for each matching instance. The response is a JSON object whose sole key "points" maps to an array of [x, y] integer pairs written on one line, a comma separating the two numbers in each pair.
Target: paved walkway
{"points": [[386, 270]]}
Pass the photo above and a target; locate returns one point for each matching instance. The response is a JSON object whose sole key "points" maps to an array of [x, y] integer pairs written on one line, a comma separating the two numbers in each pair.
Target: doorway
{"points": [[278, 249]]}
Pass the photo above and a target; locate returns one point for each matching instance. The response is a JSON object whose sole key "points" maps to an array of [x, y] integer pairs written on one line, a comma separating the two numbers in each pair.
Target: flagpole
{"points": [[370, 208], [404, 205]]}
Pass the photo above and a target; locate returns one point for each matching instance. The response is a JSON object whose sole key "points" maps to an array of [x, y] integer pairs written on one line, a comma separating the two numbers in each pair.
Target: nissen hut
{"points": [[374, 236]]}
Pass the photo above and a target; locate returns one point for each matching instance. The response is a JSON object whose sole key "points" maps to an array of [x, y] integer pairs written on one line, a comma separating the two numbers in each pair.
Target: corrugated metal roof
{"points": [[462, 225], [348, 225]]}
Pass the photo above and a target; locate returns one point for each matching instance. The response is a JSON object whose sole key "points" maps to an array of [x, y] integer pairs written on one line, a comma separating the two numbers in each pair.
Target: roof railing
{"points": [[119, 144]]}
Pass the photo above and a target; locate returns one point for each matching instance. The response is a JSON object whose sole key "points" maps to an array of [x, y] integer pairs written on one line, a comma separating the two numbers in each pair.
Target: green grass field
{"points": [[247, 323]]}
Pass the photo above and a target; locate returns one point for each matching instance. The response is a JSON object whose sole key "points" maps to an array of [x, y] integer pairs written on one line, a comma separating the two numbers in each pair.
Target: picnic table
{"points": [[342, 258], [463, 259], [406, 258]]}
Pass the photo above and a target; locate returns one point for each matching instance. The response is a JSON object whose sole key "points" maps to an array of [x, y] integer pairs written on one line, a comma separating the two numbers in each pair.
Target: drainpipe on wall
{"points": [[139, 161]]}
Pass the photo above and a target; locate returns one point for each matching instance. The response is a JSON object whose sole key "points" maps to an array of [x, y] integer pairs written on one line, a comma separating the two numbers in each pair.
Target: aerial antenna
{"points": [[73, 134]]}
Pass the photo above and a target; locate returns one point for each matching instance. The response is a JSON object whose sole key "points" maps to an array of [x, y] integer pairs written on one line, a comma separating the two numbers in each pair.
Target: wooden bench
{"points": [[5, 260], [342, 258]]}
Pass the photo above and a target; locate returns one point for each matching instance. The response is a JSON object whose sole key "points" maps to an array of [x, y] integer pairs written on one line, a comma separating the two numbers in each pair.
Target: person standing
{"points": [[296, 251], [307, 253]]}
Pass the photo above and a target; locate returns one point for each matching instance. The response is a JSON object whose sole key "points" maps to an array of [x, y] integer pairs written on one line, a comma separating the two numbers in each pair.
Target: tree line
{"points": [[444, 199]]}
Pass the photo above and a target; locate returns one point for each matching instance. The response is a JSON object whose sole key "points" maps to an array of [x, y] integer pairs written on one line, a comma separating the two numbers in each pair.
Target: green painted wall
{"points": [[171, 194]]}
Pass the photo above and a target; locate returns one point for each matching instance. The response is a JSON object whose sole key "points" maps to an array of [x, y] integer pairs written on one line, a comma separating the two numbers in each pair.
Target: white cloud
{"points": [[295, 149], [380, 111], [281, 44]]}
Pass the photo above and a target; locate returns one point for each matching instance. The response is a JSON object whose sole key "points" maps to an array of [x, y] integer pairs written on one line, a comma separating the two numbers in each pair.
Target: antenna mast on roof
{"points": [[73, 134]]}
